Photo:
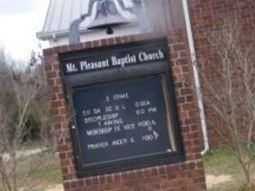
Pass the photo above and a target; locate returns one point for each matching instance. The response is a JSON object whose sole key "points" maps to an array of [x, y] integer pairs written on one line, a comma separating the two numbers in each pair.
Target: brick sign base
{"points": [[184, 176]]}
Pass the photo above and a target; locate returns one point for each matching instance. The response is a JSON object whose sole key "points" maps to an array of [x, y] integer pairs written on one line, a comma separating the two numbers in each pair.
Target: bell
{"points": [[103, 14], [108, 15]]}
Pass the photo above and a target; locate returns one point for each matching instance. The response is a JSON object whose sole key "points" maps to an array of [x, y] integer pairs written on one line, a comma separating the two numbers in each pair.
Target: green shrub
{"points": [[32, 128]]}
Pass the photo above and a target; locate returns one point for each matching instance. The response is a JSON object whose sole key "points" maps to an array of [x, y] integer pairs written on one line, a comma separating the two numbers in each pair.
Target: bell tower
{"points": [[132, 122]]}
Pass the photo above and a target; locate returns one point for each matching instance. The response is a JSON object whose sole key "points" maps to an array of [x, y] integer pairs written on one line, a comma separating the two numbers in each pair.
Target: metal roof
{"points": [[61, 13]]}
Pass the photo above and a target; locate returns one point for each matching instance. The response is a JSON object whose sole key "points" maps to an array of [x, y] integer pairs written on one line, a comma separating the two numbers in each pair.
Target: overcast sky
{"points": [[19, 22]]}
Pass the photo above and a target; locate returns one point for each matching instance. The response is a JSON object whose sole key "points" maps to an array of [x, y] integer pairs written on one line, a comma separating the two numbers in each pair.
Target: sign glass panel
{"points": [[122, 120]]}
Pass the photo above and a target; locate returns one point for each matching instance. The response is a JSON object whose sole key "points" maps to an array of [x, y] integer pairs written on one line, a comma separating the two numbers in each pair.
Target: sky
{"points": [[19, 22]]}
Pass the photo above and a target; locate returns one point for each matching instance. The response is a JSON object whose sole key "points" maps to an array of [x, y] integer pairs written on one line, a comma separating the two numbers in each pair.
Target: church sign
{"points": [[113, 60], [124, 112]]}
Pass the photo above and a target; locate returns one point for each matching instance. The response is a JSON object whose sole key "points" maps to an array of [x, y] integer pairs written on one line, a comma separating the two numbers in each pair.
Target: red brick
{"points": [[162, 178]]}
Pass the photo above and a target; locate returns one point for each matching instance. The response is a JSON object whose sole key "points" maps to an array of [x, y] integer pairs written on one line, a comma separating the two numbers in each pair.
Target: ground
{"points": [[222, 172], [58, 187], [212, 180]]}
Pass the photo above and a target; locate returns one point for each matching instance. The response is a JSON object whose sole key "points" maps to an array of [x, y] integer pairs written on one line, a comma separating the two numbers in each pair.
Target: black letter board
{"points": [[123, 104]]}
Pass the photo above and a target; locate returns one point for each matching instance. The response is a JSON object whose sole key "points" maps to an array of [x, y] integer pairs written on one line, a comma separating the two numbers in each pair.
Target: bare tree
{"points": [[229, 91], [19, 92], [41, 107], [4, 139]]}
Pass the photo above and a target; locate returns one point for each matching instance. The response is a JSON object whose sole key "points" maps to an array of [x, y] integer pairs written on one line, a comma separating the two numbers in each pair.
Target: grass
{"points": [[216, 162], [222, 162], [49, 174], [43, 170]]}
